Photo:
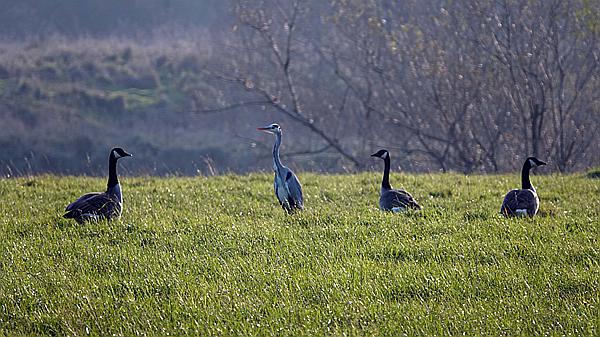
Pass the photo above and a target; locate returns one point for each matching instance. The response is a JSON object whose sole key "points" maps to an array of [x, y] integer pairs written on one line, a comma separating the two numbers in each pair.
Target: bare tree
{"points": [[277, 54], [550, 61], [477, 83]]}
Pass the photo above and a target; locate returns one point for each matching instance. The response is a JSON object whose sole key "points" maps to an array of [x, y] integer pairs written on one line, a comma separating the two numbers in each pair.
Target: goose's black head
{"points": [[534, 162], [383, 154], [118, 152], [273, 128]]}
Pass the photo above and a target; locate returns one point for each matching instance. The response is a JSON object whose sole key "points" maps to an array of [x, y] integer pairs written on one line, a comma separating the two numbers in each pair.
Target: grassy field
{"points": [[217, 256]]}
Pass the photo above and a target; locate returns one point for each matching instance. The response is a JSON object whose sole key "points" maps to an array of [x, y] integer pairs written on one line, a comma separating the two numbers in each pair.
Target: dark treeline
{"points": [[471, 86]]}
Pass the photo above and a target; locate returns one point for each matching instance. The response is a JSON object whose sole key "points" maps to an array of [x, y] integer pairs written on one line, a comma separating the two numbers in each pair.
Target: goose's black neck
{"points": [[112, 172], [385, 183], [525, 182]]}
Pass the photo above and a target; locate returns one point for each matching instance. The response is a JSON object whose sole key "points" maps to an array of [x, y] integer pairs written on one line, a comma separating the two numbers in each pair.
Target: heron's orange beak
{"points": [[262, 129]]}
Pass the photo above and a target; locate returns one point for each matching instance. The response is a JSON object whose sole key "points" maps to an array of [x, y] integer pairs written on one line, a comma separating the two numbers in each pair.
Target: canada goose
{"points": [[391, 199], [96, 205], [287, 186], [524, 201]]}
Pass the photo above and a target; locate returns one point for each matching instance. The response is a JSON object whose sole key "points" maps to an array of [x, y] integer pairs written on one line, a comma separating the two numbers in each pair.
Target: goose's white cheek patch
{"points": [[398, 209]]}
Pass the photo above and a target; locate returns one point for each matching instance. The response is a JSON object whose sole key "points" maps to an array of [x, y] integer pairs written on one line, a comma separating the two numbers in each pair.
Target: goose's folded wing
{"points": [[95, 204], [81, 200], [400, 198]]}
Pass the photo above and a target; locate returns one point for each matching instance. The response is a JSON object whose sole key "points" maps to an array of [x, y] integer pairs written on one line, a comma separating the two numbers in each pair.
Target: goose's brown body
{"points": [[100, 205], [524, 201], [390, 199]]}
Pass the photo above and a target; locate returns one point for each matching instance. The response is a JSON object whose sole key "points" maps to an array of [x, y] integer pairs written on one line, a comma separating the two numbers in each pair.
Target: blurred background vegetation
{"points": [[182, 84]]}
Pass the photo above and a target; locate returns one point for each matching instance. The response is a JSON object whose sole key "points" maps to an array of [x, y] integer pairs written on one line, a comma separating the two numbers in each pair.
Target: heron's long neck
{"points": [[112, 173], [385, 183], [525, 182], [276, 160]]}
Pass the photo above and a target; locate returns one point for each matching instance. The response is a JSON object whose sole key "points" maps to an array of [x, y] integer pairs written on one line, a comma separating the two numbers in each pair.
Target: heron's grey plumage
{"points": [[393, 199], [288, 189], [524, 201], [100, 205]]}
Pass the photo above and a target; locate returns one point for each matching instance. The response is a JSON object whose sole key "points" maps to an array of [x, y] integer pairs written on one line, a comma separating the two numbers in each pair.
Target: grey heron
{"points": [[395, 200], [524, 201], [287, 186], [97, 205]]}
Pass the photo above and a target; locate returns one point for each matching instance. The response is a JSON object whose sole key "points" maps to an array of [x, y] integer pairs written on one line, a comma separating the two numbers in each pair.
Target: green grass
{"points": [[217, 256]]}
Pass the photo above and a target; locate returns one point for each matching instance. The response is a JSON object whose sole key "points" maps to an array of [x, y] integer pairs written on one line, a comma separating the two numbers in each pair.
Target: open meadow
{"points": [[218, 256]]}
